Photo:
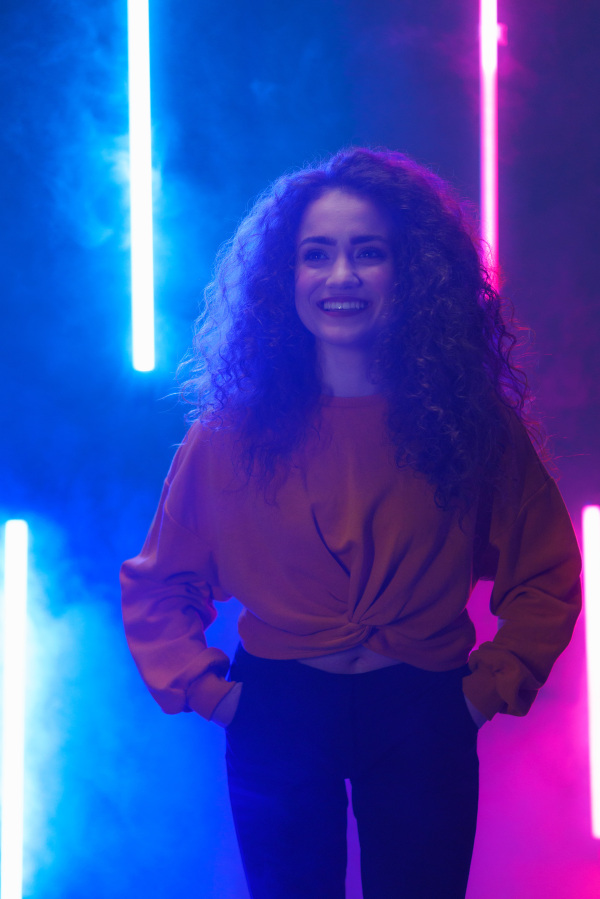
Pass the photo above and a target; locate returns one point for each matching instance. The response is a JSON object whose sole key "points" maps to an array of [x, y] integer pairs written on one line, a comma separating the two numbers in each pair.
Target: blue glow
{"points": [[140, 180], [13, 707]]}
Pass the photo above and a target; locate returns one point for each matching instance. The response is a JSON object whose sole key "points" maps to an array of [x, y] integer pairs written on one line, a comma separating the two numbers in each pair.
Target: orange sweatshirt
{"points": [[352, 551]]}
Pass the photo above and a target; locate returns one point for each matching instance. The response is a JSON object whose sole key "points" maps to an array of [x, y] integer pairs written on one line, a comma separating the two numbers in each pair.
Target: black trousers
{"points": [[407, 743]]}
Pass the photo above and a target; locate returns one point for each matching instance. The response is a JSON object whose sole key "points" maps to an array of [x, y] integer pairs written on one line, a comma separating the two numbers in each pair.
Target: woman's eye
{"points": [[314, 255], [371, 253]]}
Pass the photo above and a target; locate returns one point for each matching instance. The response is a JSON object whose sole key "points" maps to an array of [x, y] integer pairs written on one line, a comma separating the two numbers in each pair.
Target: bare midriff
{"points": [[358, 660]]}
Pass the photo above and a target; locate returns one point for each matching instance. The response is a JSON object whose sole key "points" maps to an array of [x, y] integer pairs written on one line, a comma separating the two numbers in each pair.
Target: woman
{"points": [[358, 462]]}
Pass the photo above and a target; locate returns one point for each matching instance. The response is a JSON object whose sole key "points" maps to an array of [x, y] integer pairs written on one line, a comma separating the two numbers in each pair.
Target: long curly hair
{"points": [[443, 361]]}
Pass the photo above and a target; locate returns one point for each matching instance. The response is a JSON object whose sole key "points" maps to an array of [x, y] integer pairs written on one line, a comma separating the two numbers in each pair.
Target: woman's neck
{"points": [[345, 371]]}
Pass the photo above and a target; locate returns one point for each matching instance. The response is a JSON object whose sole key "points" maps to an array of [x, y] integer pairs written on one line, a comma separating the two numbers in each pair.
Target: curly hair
{"points": [[443, 361]]}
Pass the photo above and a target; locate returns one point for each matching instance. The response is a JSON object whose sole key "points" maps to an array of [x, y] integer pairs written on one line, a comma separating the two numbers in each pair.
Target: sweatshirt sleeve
{"points": [[168, 594], [537, 593]]}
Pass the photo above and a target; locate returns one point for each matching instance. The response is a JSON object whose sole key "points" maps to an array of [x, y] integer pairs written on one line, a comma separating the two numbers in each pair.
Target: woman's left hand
{"points": [[477, 716]]}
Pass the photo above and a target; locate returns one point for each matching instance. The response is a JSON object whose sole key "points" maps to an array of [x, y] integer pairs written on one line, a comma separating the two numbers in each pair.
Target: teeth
{"points": [[342, 305]]}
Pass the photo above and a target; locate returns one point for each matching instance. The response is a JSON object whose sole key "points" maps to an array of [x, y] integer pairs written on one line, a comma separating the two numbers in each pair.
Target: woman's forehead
{"points": [[341, 212]]}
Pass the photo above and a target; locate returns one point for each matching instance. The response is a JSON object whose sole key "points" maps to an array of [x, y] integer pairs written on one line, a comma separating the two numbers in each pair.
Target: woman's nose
{"points": [[343, 273]]}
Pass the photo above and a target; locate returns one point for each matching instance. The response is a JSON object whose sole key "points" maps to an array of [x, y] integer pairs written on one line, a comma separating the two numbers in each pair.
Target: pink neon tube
{"points": [[591, 588], [488, 93]]}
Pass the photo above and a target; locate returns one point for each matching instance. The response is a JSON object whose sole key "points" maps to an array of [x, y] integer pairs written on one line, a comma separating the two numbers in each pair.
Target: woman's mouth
{"points": [[343, 306]]}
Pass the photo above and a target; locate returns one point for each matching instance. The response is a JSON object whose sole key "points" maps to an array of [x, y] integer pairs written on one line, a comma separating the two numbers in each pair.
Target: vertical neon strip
{"points": [[488, 99], [591, 587], [140, 181], [13, 708]]}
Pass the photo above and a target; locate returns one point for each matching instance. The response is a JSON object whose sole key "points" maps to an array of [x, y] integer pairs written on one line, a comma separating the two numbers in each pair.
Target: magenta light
{"points": [[489, 33], [591, 592]]}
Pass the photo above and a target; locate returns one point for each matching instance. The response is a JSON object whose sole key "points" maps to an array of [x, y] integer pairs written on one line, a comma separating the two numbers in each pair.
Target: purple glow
{"points": [[591, 586]]}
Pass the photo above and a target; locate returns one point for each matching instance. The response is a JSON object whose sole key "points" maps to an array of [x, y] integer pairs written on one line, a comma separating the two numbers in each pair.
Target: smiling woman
{"points": [[358, 462]]}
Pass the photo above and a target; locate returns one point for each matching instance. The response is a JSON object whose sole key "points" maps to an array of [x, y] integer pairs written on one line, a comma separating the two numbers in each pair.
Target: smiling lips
{"points": [[342, 306]]}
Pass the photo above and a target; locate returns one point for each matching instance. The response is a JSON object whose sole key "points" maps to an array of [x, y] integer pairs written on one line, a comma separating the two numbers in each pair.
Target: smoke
{"points": [[120, 799], [67, 110]]}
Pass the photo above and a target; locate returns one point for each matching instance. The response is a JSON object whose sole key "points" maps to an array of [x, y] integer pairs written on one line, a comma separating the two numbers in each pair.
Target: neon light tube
{"points": [[140, 186], [13, 708], [488, 100], [591, 588]]}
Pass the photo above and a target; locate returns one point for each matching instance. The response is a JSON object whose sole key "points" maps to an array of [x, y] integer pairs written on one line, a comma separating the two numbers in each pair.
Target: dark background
{"points": [[122, 798]]}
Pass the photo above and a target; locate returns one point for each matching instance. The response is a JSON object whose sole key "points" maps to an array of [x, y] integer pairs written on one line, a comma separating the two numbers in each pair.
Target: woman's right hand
{"points": [[225, 711]]}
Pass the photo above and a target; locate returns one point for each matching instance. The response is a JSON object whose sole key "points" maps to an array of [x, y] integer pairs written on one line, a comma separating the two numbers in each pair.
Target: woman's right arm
{"points": [[168, 594]]}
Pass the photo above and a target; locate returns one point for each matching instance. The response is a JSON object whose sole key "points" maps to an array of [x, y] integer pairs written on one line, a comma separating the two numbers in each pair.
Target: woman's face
{"points": [[345, 270]]}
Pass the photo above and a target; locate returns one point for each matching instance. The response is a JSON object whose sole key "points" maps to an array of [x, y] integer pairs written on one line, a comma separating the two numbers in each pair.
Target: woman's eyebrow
{"points": [[367, 238], [328, 241]]}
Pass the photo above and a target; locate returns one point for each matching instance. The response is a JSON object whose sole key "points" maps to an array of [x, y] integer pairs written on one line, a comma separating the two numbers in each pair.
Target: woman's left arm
{"points": [[537, 591]]}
